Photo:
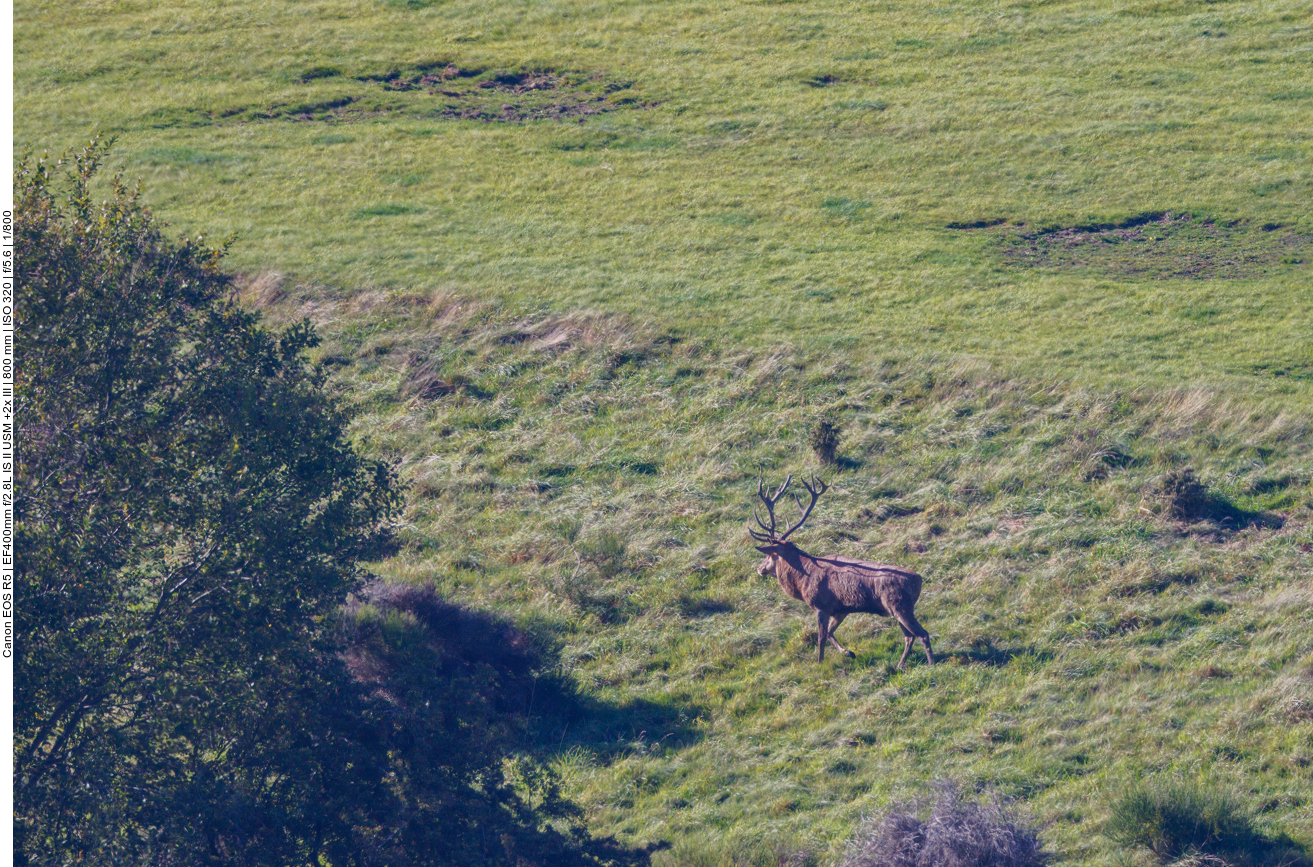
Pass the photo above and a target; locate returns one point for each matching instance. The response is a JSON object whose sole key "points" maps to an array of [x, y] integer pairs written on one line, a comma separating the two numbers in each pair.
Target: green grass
{"points": [[583, 338], [759, 169], [596, 477], [1182, 820]]}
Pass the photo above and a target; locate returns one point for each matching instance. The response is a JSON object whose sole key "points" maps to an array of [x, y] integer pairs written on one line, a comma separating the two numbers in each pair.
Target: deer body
{"points": [[835, 587]]}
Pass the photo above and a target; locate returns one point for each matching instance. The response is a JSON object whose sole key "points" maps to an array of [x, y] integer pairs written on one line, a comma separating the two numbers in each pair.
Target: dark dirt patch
{"points": [[324, 109], [433, 90], [510, 96], [822, 80], [423, 380], [1156, 246], [978, 224], [320, 72]]}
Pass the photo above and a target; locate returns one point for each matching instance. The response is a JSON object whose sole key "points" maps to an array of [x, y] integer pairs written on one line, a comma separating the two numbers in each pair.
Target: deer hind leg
{"points": [[834, 624], [912, 630]]}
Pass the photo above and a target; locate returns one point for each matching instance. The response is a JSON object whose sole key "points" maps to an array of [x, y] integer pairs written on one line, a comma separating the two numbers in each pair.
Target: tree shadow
{"points": [[566, 718], [424, 646]]}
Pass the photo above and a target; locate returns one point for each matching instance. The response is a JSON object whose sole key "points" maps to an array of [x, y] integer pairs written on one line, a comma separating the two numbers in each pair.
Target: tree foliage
{"points": [[191, 517]]}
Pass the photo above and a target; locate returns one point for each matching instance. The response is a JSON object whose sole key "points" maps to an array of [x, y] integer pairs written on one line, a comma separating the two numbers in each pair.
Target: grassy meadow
{"points": [[588, 270]]}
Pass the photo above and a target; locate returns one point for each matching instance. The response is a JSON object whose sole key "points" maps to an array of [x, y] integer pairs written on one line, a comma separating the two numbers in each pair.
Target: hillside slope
{"points": [[589, 270], [1117, 583]]}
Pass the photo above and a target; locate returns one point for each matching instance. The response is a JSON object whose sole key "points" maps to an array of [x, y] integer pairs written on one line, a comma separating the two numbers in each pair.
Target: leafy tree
{"points": [[191, 517]]}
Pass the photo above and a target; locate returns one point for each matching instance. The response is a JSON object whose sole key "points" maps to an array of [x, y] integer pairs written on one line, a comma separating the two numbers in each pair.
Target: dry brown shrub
{"points": [[949, 832]]}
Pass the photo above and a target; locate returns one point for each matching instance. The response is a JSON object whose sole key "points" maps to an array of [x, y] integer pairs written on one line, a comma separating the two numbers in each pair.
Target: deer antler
{"points": [[815, 489], [769, 535], [819, 488]]}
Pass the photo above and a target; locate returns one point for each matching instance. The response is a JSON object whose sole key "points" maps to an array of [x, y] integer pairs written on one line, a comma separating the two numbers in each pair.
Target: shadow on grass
{"points": [[1190, 501], [702, 606], [997, 657], [846, 464], [409, 640], [612, 730], [1192, 822]]}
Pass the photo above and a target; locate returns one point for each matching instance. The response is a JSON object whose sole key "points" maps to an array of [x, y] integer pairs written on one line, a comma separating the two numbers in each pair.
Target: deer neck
{"points": [[796, 572]]}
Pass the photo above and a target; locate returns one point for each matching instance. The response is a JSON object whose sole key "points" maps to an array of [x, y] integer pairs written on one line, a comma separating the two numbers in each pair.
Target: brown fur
{"points": [[835, 587]]}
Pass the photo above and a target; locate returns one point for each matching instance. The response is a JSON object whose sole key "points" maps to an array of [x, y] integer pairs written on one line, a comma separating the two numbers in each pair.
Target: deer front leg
{"points": [[907, 647], [834, 624], [823, 626]]}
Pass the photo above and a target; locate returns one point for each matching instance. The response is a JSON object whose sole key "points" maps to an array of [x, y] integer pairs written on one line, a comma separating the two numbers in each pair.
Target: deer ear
{"points": [[771, 550]]}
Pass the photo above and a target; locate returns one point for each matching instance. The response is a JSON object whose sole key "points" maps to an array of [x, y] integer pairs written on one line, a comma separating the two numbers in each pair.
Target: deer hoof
{"points": [[850, 654]]}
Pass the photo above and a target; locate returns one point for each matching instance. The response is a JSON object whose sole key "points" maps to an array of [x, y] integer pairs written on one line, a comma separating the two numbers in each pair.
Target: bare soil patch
{"points": [[1156, 246], [437, 90], [511, 96]]}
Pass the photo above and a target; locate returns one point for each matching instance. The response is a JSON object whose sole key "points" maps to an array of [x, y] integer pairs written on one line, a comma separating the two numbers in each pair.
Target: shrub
{"points": [[950, 833], [825, 436], [1188, 499]]}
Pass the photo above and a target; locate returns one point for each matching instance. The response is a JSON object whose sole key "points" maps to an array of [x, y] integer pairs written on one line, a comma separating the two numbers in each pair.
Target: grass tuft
{"points": [[1196, 823]]}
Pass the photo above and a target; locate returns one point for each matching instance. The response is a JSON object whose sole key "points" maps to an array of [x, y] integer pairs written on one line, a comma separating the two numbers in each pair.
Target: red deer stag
{"points": [[837, 586]]}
